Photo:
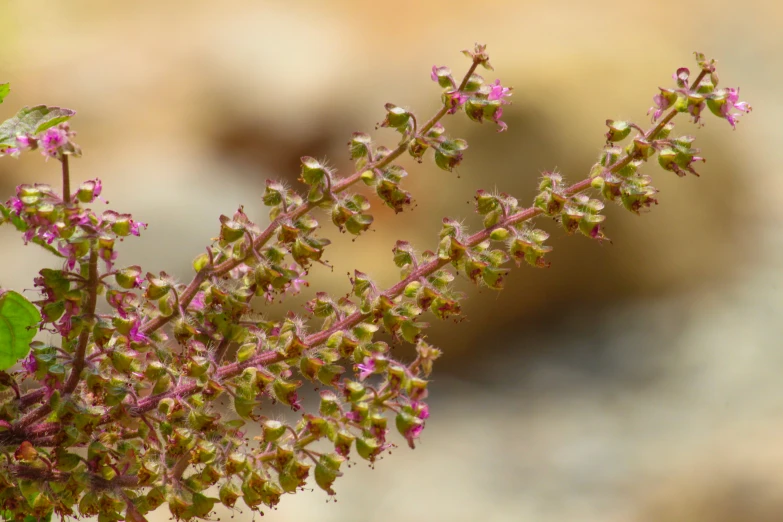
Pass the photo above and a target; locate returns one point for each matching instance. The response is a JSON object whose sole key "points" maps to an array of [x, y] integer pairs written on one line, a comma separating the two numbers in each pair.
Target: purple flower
{"points": [[498, 92], [24, 142], [296, 283], [197, 303], [51, 141], [136, 336], [722, 102], [434, 73], [69, 251], [662, 101], [121, 301], [496, 118], [30, 364], [354, 416], [454, 100], [108, 255], [681, 77], [366, 368], [135, 226], [421, 410], [16, 205]]}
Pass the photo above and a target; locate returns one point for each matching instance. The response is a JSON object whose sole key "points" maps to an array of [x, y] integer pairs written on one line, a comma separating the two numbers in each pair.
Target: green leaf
{"points": [[18, 325], [4, 90], [32, 120]]}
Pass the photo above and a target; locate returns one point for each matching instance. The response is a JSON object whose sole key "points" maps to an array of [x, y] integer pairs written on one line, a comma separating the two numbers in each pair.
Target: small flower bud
{"points": [[442, 75], [313, 173], [237, 463], [618, 130], [369, 448], [499, 234], [327, 470], [273, 430], [360, 145], [229, 493], [285, 392], [329, 374], [474, 83], [409, 426], [354, 391], [88, 191], [397, 118]]}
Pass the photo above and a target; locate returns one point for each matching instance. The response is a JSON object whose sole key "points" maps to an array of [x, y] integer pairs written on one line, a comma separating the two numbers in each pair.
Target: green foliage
{"points": [[31, 121], [18, 325]]}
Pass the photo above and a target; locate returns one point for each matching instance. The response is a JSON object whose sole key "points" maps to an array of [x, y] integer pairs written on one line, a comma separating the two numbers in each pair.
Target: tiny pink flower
{"points": [[197, 303], [51, 141], [30, 364], [24, 142], [366, 368], [498, 92], [455, 100], [662, 101], [136, 336]]}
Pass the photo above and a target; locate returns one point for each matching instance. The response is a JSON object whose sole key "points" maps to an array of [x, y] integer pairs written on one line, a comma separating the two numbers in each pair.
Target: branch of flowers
{"points": [[190, 291], [436, 264], [232, 370]]}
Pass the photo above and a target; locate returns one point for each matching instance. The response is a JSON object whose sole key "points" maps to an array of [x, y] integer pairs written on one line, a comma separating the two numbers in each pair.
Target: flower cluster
{"points": [[693, 98], [123, 413]]}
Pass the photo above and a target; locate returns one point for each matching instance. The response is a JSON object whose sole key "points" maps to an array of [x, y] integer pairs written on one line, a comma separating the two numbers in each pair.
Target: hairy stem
{"points": [[66, 179]]}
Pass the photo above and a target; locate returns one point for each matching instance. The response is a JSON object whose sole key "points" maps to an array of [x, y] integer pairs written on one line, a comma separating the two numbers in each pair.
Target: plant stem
{"points": [[66, 180]]}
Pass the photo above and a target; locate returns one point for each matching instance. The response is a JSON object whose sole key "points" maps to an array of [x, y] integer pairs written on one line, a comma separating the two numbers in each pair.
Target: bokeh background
{"points": [[633, 381]]}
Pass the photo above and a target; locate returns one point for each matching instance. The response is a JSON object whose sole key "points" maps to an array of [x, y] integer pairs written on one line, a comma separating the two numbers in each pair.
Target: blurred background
{"points": [[633, 381]]}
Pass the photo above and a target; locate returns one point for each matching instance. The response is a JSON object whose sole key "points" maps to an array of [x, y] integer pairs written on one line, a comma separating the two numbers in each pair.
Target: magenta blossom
{"points": [[297, 282], [366, 368], [136, 336], [662, 101], [454, 100], [723, 101], [51, 141], [498, 92], [30, 364]]}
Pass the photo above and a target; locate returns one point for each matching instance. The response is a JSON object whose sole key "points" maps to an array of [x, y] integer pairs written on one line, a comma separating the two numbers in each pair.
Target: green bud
{"points": [[368, 448], [273, 430], [313, 173], [236, 463], [229, 493], [354, 391], [327, 470], [330, 404], [499, 234], [618, 130], [230, 230], [396, 117]]}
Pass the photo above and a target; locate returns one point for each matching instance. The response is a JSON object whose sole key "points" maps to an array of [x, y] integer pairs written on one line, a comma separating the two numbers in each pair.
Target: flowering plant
{"points": [[121, 415]]}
